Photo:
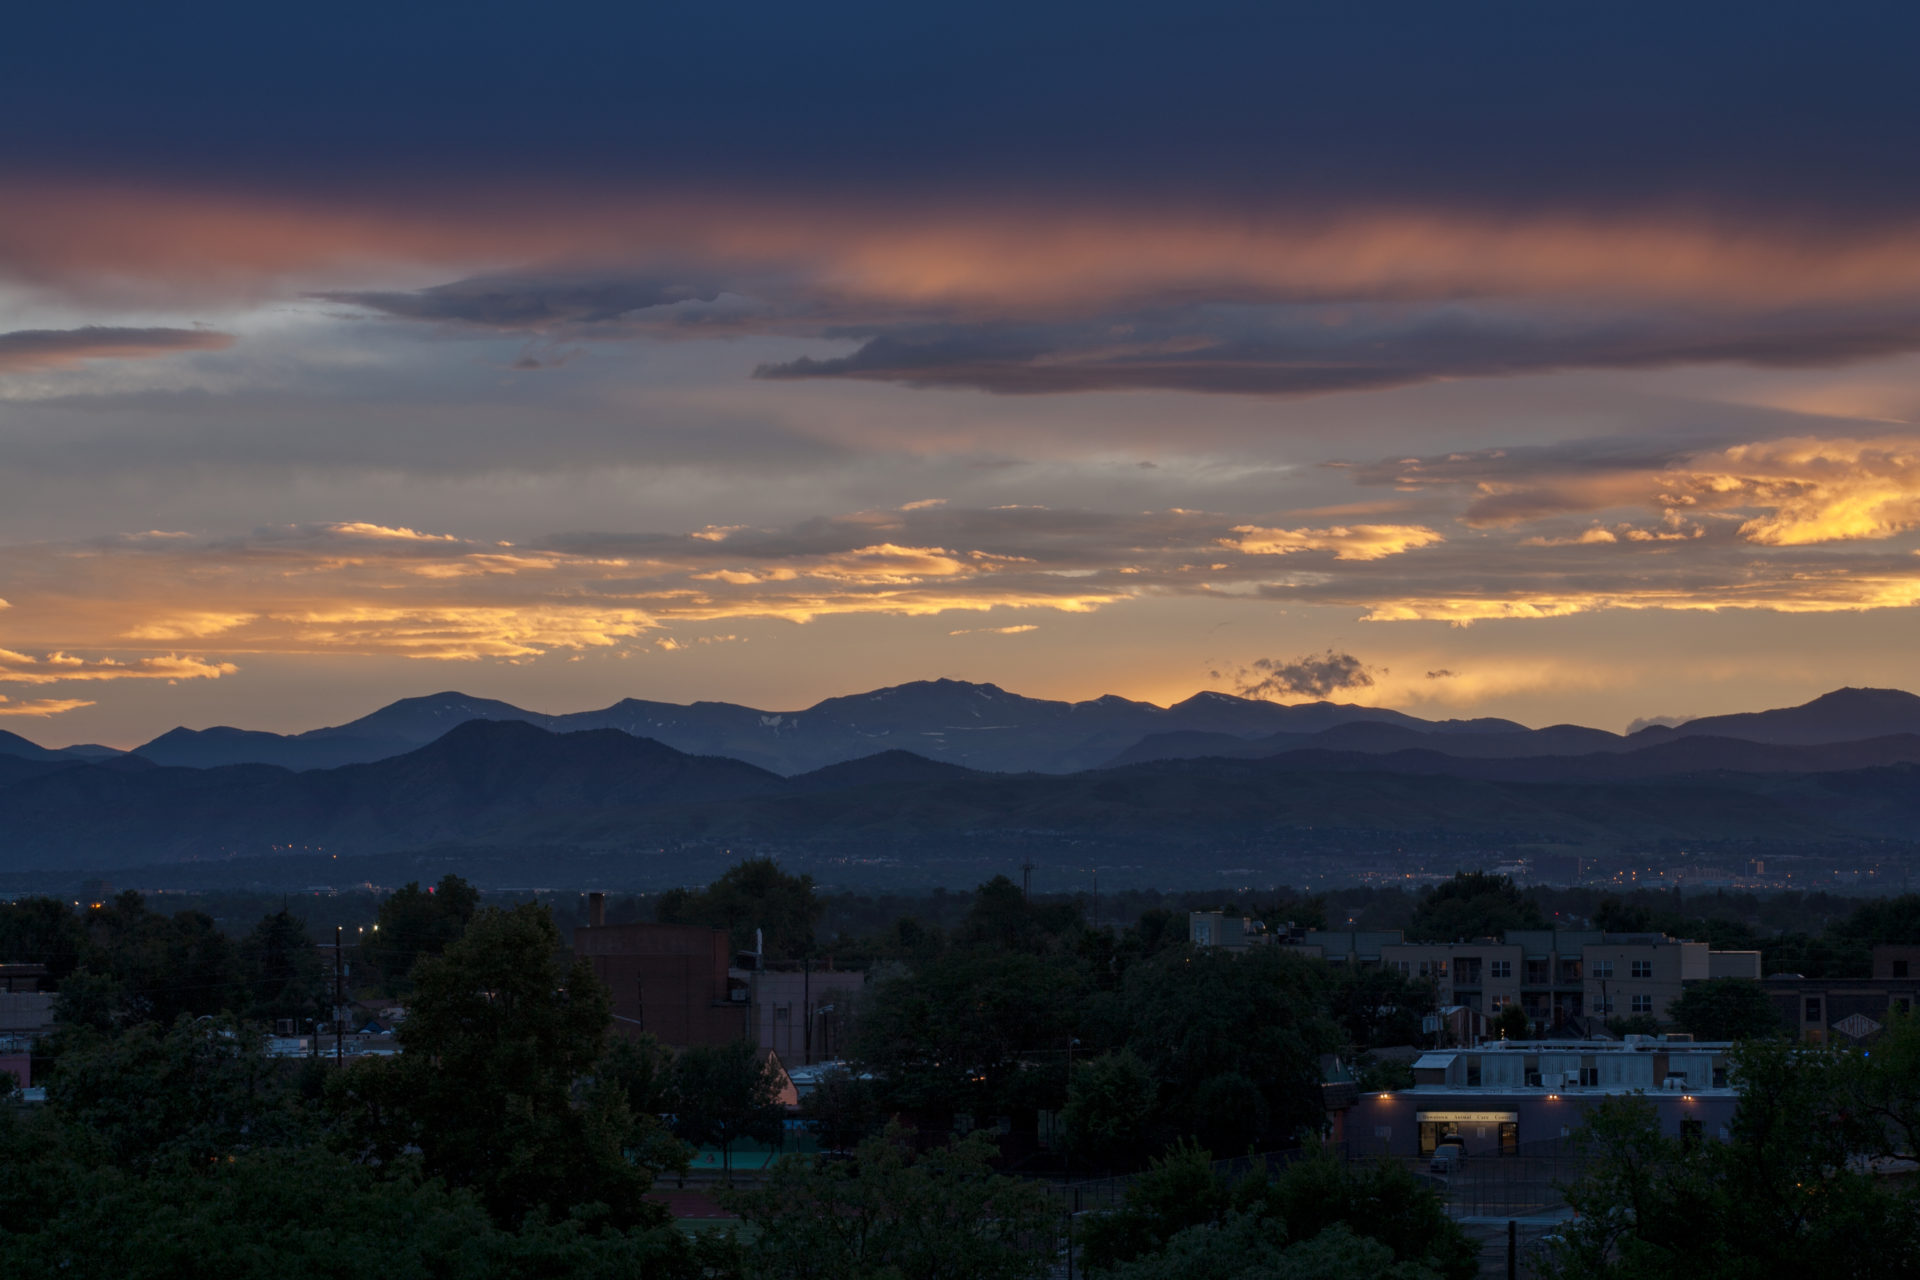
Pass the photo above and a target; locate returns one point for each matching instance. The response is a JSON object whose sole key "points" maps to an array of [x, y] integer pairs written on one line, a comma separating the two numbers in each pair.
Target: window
{"points": [[1500, 968], [1603, 968], [1899, 968], [1589, 1077], [1643, 1004], [1813, 1009], [1643, 968]]}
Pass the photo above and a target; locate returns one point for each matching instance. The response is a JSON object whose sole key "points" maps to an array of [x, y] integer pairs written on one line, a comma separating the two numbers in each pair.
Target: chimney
{"points": [[596, 910]]}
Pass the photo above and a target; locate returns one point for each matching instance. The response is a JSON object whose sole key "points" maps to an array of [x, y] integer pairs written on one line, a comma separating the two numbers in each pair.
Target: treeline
{"points": [[517, 1136]]}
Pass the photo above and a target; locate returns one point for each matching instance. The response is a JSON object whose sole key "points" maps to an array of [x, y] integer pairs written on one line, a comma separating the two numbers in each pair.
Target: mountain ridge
{"points": [[983, 726], [505, 785]]}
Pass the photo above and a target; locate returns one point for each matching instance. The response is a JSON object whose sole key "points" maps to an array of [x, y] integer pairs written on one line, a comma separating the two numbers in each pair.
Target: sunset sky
{"points": [[1555, 362]]}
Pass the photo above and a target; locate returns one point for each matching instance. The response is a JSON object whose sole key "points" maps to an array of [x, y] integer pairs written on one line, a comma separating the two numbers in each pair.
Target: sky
{"points": [[1552, 362]]}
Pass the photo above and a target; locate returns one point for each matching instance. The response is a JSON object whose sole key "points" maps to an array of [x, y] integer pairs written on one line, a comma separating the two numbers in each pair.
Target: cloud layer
{"points": [[1787, 526], [25, 350]]}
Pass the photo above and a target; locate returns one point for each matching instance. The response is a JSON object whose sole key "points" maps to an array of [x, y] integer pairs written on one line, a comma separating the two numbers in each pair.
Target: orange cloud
{"points": [[41, 707], [60, 668], [1356, 542]]}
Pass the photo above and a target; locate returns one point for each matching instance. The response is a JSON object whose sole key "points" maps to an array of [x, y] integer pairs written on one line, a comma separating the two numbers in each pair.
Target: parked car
{"points": [[1448, 1156]]}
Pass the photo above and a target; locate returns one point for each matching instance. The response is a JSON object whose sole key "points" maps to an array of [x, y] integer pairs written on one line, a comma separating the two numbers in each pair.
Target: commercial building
{"points": [[684, 985], [803, 1015], [671, 981], [1498, 1097], [1230, 933]]}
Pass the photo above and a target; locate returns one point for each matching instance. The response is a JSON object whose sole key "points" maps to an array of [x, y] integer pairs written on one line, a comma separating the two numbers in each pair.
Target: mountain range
{"points": [[985, 727], [505, 784]]}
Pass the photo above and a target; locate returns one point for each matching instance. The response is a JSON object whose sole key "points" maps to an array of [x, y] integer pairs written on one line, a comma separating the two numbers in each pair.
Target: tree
{"points": [[1726, 1009], [415, 924], [1883, 1087], [842, 1108], [64, 1215], [1247, 1247], [192, 1092], [755, 894], [280, 971], [1179, 1190], [999, 917], [1110, 1108], [42, 931], [1235, 1042], [961, 1033], [1473, 904], [1378, 1200], [1377, 1006], [1513, 1023], [496, 1088], [887, 1215], [1785, 1195], [723, 1094]]}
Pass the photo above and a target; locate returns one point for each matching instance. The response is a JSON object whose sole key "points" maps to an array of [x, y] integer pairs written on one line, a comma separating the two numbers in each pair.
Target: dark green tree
{"points": [[1177, 1191], [958, 1035], [195, 1091], [1379, 1200], [42, 931], [724, 1094], [496, 1087], [1111, 1105], [415, 924], [281, 972], [1247, 1247], [1726, 1009], [1235, 1042], [887, 1215], [843, 1109], [1377, 1006], [65, 1215], [1512, 1022], [755, 894], [1473, 904]]}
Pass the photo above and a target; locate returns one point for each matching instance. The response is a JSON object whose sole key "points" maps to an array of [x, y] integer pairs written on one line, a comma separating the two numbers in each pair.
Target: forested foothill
{"points": [[1005, 1046]]}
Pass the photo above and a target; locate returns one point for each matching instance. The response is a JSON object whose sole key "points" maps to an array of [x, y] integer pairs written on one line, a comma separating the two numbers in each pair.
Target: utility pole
{"points": [[806, 1007], [1026, 881], [1096, 896], [339, 1044]]}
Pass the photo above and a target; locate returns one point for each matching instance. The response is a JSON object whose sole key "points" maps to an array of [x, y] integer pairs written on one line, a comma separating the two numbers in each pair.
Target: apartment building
{"points": [[1564, 979]]}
